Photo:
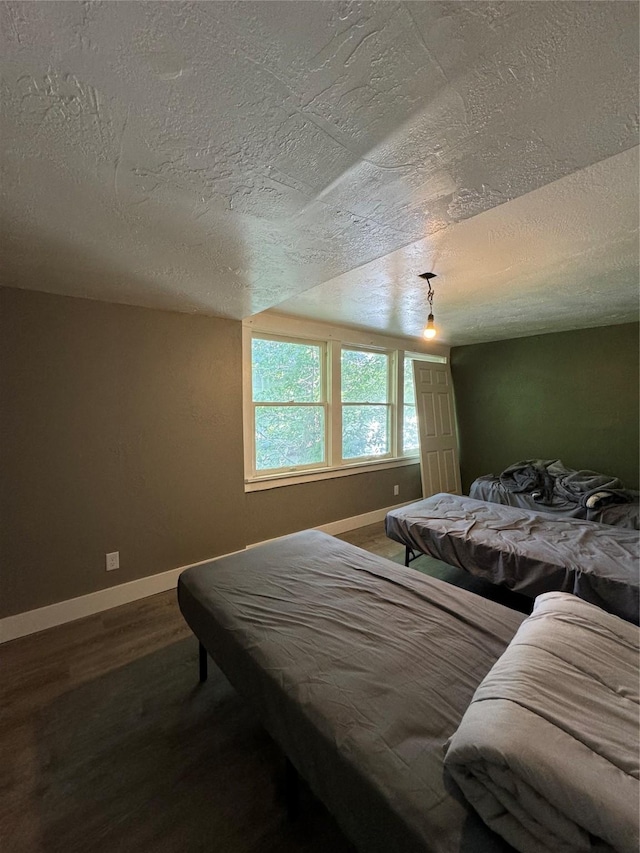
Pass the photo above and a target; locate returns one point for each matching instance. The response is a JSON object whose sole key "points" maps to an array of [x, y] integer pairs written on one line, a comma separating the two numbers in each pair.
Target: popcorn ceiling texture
{"points": [[225, 158]]}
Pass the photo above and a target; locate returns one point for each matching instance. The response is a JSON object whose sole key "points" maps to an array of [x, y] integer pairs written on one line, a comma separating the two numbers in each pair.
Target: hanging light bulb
{"points": [[430, 330]]}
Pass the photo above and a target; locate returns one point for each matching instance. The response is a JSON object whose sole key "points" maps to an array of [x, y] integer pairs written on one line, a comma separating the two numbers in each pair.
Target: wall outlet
{"points": [[396, 490], [113, 560]]}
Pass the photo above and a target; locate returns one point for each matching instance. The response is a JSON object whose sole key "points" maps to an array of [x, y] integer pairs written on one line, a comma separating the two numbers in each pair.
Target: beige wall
{"points": [[121, 429]]}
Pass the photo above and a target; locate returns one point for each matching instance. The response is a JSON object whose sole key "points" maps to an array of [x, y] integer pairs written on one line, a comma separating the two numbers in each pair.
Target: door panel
{"points": [[440, 468]]}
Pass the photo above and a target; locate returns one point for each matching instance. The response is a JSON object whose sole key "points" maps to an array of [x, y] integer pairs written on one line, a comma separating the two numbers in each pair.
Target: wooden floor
{"points": [[109, 744]]}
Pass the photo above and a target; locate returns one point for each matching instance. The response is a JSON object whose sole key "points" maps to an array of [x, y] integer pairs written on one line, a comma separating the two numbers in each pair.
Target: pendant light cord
{"points": [[430, 296]]}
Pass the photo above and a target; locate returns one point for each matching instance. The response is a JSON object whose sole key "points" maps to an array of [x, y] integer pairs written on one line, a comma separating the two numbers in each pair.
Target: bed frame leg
{"points": [[291, 790], [407, 555], [202, 662]]}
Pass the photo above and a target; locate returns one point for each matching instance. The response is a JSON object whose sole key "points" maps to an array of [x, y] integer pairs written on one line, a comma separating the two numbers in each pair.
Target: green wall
{"points": [[572, 396]]}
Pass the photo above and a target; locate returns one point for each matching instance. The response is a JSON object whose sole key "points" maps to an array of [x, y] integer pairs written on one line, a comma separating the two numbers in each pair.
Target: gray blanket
{"points": [[547, 752], [529, 552], [547, 479], [603, 511], [549, 486]]}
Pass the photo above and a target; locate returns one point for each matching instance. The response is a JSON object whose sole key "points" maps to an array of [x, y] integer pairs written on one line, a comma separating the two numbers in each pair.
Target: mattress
{"points": [[361, 670], [489, 488], [526, 551]]}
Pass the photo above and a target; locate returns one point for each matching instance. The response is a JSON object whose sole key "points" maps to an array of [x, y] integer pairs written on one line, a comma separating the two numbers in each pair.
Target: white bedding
{"points": [[548, 750]]}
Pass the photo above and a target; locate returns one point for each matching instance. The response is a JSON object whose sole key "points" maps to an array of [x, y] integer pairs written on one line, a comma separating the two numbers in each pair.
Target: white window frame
{"points": [[324, 403], [414, 356], [392, 421], [334, 339]]}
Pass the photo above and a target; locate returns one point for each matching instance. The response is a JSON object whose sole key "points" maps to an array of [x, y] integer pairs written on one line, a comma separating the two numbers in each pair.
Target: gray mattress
{"points": [[489, 488], [361, 670], [528, 552]]}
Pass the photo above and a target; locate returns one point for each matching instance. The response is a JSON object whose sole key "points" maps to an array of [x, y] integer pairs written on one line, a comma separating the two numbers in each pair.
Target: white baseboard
{"points": [[356, 521], [344, 524], [33, 621]]}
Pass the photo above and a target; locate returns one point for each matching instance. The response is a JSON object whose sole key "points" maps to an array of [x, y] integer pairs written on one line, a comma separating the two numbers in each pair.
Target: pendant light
{"points": [[430, 330]]}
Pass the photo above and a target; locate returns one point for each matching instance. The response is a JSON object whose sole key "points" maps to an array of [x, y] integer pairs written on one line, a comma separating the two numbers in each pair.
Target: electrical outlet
{"points": [[113, 560], [396, 490]]}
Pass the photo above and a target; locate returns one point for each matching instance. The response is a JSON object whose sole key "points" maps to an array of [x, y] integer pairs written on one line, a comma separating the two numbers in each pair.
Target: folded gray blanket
{"points": [[548, 750]]}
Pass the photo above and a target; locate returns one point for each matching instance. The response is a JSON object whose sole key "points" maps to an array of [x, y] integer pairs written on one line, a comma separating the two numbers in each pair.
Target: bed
{"points": [[361, 671], [412, 706], [527, 551], [548, 486]]}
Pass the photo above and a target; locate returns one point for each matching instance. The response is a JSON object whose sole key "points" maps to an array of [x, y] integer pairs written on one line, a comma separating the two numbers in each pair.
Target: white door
{"points": [[439, 463]]}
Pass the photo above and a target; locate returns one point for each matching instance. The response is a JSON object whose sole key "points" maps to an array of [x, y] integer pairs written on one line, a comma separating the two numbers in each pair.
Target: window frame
{"points": [[406, 355], [323, 403], [390, 404], [333, 340]]}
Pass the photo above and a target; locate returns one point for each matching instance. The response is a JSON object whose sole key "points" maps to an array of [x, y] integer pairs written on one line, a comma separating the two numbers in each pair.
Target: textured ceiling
{"points": [[227, 158], [561, 257]]}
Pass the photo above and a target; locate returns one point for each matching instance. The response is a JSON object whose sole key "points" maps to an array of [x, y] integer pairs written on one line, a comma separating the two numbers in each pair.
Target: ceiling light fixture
{"points": [[430, 330]]}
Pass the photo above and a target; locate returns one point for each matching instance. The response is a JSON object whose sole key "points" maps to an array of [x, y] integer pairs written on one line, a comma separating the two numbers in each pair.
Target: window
{"points": [[410, 442], [317, 408], [289, 404], [366, 404]]}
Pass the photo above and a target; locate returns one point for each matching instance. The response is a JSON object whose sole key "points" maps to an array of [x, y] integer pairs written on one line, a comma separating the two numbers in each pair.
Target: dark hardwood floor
{"points": [[373, 538], [109, 743]]}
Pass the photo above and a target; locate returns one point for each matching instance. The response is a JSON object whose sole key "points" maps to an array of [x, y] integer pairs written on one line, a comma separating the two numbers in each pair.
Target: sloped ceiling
{"points": [[314, 157]]}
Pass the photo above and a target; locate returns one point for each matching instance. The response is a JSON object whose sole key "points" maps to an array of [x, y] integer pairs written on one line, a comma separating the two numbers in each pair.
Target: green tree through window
{"points": [[287, 380], [410, 442], [365, 404], [325, 405]]}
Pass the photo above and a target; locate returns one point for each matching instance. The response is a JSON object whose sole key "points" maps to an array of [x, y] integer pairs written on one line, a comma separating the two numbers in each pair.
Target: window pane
{"points": [[365, 377], [365, 431], [409, 390], [286, 373], [289, 435], [410, 432]]}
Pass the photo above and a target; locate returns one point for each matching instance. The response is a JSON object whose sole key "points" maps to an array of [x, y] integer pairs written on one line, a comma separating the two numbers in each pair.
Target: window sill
{"points": [[274, 481]]}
